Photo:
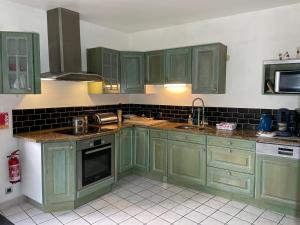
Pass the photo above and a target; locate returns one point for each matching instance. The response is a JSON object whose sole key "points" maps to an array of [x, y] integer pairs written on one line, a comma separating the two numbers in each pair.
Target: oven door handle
{"points": [[96, 150]]}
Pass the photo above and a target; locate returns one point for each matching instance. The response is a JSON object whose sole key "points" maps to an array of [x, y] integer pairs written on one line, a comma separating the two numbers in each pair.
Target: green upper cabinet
{"points": [[125, 150], [141, 149], [209, 69], [105, 62], [132, 72], [155, 67], [178, 66], [59, 174], [277, 181], [20, 63], [187, 162]]}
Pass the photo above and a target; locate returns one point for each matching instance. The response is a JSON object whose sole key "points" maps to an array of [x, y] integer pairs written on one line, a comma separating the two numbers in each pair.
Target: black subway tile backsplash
{"points": [[46, 118]]}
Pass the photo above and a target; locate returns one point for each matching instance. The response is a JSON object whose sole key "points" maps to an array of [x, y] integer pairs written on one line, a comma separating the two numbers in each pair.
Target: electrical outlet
{"points": [[8, 190]]}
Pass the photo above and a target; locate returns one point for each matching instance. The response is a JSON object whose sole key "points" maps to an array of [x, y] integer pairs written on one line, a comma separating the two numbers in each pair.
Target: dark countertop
{"points": [[51, 136]]}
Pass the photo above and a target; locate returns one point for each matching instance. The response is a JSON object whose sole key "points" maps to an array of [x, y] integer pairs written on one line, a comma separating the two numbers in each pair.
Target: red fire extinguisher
{"points": [[14, 167]]}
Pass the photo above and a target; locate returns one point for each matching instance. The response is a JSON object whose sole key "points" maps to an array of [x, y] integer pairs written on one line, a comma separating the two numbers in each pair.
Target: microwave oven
{"points": [[287, 81]]}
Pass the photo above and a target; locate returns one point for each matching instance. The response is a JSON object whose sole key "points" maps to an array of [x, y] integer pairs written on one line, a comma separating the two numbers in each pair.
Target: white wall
{"points": [[15, 17], [251, 38]]}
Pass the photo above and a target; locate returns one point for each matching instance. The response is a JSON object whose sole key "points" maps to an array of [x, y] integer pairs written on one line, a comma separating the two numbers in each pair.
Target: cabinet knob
{"points": [[230, 150], [230, 142], [228, 173], [71, 147]]}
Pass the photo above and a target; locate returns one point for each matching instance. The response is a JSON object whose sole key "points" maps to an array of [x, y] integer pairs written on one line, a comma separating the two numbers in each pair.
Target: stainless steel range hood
{"points": [[64, 47]]}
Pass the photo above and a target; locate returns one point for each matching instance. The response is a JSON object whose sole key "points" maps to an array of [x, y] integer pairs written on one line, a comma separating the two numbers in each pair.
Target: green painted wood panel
{"points": [[277, 180], [141, 149], [158, 155], [158, 133], [155, 67], [105, 62], [183, 136], [230, 181], [20, 63], [231, 142], [230, 158], [178, 66], [209, 69], [187, 162], [132, 72], [126, 149], [59, 172]]}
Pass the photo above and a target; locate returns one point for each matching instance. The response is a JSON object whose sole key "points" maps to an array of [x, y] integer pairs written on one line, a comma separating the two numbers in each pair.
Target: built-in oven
{"points": [[95, 160]]}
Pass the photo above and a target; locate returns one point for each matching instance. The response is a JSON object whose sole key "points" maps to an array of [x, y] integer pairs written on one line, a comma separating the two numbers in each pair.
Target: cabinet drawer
{"points": [[181, 136], [158, 134], [230, 142], [227, 180], [230, 158]]}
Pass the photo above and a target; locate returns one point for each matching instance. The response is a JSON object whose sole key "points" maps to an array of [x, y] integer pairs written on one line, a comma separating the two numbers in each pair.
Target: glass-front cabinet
{"points": [[20, 63]]}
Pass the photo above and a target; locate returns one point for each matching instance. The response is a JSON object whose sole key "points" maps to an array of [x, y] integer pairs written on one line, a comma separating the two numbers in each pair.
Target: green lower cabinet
{"points": [[230, 181], [278, 181], [59, 166], [187, 162], [158, 155], [141, 149], [230, 158], [126, 149]]}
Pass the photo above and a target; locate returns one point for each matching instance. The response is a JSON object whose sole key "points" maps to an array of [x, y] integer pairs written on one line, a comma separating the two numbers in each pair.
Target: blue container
{"points": [[265, 123]]}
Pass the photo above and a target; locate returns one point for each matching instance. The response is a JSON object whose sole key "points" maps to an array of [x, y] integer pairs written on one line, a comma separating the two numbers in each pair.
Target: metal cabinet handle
{"points": [[228, 173], [230, 150], [71, 147]]}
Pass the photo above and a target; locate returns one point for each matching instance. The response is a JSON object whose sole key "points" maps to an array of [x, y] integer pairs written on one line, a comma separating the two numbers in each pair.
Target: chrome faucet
{"points": [[203, 107]]}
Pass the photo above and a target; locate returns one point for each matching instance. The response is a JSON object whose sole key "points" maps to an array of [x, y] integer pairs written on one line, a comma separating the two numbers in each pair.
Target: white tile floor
{"points": [[136, 200]]}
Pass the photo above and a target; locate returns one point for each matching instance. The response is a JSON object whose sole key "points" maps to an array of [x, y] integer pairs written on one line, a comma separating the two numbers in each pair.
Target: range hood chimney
{"points": [[64, 47]]}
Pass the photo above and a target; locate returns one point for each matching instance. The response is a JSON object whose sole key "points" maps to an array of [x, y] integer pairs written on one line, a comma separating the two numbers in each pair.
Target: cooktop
{"points": [[86, 131]]}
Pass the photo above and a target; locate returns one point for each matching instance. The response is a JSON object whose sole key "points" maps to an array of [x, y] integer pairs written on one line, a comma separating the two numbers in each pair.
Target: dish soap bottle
{"points": [[190, 120]]}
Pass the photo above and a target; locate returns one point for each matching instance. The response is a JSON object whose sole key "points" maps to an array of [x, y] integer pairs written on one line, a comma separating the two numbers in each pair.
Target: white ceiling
{"points": [[136, 15]]}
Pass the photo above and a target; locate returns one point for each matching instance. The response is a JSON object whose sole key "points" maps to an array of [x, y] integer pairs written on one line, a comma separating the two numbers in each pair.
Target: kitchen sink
{"points": [[188, 127]]}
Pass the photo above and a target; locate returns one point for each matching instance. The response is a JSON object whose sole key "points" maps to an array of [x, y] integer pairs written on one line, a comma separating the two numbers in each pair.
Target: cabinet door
{"points": [[158, 156], [187, 162], [209, 69], [132, 72], [178, 66], [277, 180], [126, 146], [226, 180], [59, 172], [18, 66], [155, 67], [110, 68], [230, 158], [141, 149]]}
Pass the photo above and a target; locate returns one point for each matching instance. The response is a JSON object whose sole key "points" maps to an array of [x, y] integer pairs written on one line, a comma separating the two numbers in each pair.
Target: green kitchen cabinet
{"points": [[277, 181], [178, 66], [141, 149], [105, 62], [158, 152], [59, 165], [132, 72], [126, 150], [231, 159], [20, 63], [209, 69], [187, 162], [231, 143], [155, 67], [230, 181]]}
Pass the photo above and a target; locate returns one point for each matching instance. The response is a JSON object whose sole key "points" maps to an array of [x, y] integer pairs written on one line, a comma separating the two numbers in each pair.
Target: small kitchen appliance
{"points": [[283, 121], [265, 123]]}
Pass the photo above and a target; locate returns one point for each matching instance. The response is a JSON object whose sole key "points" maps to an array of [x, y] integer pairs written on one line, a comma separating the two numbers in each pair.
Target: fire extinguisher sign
{"points": [[4, 120], [14, 167]]}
